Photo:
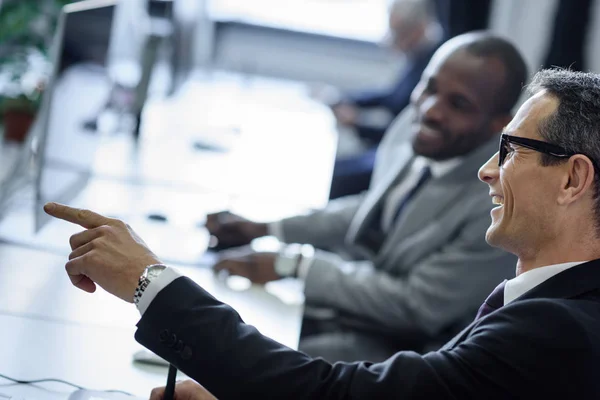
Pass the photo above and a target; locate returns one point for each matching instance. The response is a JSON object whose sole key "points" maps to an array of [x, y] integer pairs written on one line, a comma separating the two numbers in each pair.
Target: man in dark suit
{"points": [[537, 336], [414, 32]]}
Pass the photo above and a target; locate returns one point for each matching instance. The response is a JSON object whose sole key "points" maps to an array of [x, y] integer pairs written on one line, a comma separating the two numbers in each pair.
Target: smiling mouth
{"points": [[427, 131], [498, 200]]}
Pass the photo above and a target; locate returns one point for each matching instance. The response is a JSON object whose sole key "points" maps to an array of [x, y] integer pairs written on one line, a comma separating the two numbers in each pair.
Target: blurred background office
{"points": [[160, 112], [229, 99], [337, 43]]}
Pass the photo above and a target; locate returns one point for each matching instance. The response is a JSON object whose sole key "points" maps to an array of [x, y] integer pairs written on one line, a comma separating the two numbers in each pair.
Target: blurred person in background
{"points": [[414, 32]]}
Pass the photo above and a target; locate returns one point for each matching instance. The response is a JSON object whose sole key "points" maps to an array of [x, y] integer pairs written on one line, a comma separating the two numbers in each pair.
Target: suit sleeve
{"points": [[436, 292], [209, 342], [394, 99], [326, 228]]}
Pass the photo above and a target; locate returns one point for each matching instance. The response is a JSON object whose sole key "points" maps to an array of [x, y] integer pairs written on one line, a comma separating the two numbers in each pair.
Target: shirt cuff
{"points": [[287, 265], [305, 265], [276, 229], [155, 286]]}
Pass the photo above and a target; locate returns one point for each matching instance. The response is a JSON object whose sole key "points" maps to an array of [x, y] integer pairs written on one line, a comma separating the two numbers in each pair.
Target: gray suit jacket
{"points": [[429, 274]]}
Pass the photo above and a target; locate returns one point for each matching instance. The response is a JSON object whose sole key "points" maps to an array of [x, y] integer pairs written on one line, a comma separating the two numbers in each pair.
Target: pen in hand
{"points": [[170, 388]]}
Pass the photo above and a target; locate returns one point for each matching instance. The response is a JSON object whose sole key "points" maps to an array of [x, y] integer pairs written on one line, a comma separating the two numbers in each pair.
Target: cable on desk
{"points": [[58, 381]]}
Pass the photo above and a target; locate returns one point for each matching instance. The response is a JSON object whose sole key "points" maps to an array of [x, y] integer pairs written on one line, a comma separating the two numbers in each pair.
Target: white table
{"points": [[279, 163], [281, 148], [48, 328]]}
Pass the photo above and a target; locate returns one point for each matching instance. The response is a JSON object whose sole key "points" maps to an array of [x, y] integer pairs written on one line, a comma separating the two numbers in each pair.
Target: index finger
{"points": [[157, 393], [85, 218]]}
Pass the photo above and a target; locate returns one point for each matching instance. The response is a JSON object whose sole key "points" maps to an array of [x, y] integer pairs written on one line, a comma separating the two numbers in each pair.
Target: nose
{"points": [[489, 172], [431, 109]]}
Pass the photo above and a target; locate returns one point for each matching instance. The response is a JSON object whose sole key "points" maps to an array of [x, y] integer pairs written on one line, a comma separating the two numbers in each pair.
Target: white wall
{"points": [[353, 64], [266, 51], [593, 56], [529, 24]]}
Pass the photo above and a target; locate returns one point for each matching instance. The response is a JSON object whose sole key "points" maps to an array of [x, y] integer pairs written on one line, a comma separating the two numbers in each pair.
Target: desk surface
{"points": [[279, 163], [280, 151], [51, 329]]}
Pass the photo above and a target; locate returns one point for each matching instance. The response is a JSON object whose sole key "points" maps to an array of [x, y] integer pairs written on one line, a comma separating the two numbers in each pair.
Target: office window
{"points": [[355, 19]]}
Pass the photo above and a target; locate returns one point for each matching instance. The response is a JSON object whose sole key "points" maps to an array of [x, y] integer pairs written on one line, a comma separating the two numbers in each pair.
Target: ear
{"points": [[578, 180], [499, 122]]}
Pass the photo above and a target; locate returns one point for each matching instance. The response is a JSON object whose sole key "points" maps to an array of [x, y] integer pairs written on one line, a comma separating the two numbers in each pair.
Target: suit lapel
{"points": [[435, 197], [426, 206], [370, 210]]}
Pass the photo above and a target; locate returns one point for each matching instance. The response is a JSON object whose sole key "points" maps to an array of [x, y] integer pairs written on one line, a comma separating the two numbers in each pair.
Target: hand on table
{"points": [[108, 253], [231, 230], [186, 390], [258, 267]]}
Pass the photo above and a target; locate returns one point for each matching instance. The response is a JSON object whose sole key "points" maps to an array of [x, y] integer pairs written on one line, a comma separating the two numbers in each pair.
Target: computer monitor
{"points": [[78, 87]]}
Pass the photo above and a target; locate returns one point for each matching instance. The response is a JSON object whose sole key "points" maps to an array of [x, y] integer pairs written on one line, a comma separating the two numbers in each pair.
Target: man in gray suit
{"points": [[411, 265]]}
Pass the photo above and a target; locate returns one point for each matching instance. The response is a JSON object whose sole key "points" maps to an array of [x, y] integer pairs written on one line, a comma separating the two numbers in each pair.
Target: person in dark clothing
{"points": [[566, 47], [461, 16], [414, 32]]}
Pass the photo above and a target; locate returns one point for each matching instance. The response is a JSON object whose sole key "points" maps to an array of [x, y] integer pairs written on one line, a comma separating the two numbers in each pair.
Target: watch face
{"points": [[155, 271]]}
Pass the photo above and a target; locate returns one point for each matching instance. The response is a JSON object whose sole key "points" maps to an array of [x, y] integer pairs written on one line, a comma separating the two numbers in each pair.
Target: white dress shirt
{"points": [[163, 280], [528, 280]]}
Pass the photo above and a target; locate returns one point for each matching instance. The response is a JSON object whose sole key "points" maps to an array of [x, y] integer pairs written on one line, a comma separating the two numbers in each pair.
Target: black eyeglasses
{"points": [[536, 145]]}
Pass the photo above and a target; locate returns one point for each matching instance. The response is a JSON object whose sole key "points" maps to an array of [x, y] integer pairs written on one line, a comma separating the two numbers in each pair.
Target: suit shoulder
{"points": [[552, 319]]}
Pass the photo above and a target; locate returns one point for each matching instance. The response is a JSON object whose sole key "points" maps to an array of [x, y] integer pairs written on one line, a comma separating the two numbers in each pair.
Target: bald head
{"points": [[465, 95], [485, 45], [408, 23], [411, 10]]}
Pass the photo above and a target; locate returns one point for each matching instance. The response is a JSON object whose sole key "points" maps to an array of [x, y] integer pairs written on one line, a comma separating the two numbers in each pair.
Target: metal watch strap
{"points": [[290, 258], [145, 280]]}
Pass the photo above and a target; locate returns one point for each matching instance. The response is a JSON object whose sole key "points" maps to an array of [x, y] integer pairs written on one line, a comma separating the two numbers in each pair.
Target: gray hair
{"points": [[575, 125], [412, 10]]}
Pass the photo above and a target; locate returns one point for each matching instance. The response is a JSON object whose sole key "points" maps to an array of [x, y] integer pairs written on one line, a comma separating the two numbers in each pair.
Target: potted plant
{"points": [[26, 29], [22, 81]]}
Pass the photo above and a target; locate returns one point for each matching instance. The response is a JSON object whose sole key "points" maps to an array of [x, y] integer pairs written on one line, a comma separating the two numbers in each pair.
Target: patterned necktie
{"points": [[425, 176], [494, 301]]}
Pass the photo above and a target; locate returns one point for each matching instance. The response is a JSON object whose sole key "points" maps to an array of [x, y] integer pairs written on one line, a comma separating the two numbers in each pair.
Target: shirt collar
{"points": [[528, 280], [440, 168]]}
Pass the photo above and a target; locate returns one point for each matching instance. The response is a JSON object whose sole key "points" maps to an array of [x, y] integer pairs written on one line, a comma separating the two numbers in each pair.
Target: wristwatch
{"points": [[290, 258], [150, 273]]}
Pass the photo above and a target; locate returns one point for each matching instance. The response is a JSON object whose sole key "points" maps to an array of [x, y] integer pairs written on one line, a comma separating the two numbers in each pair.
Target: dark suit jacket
{"points": [[462, 16], [567, 45], [544, 345], [394, 99]]}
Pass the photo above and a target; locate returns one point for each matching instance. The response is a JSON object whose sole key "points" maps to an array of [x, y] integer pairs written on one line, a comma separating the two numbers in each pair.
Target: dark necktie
{"points": [[494, 301], [425, 176]]}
